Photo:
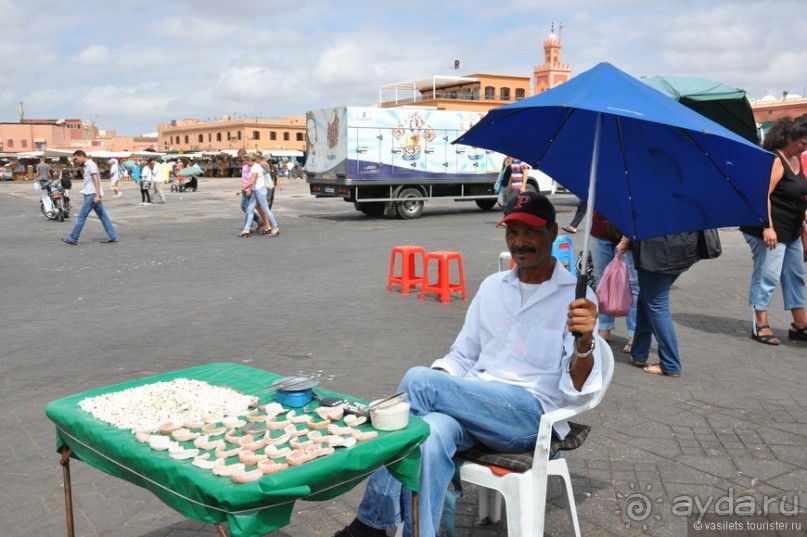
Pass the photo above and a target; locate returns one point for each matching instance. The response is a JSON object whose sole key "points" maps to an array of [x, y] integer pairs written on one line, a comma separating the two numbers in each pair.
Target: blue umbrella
{"points": [[655, 167], [658, 166]]}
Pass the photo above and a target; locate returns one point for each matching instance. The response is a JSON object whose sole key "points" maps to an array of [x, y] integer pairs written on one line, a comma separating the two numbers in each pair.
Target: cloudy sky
{"points": [[128, 65]]}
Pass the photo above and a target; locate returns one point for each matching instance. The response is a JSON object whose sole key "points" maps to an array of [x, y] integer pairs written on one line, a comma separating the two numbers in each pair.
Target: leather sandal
{"points": [[768, 339], [796, 333]]}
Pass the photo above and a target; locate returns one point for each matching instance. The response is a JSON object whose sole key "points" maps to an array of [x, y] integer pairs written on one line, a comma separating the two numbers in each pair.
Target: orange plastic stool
{"points": [[409, 267], [443, 287]]}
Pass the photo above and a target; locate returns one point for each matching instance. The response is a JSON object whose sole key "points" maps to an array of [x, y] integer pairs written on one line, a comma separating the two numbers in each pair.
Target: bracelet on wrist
{"points": [[586, 354], [577, 355]]}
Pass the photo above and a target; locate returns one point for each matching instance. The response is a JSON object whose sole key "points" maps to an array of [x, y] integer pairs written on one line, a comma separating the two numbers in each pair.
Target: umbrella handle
{"points": [[582, 285], [580, 292]]}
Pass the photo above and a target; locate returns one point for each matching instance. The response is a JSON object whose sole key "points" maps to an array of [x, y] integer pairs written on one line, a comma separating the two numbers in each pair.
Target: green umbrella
{"points": [[719, 102], [190, 170]]}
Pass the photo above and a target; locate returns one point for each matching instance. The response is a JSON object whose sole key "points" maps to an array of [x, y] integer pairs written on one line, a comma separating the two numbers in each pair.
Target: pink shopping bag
{"points": [[613, 290]]}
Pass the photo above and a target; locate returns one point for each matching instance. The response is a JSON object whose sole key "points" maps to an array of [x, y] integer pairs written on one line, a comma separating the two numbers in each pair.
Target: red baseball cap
{"points": [[531, 208]]}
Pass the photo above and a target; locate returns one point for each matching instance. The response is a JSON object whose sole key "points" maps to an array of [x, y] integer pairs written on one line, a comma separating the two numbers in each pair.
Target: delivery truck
{"points": [[390, 161]]}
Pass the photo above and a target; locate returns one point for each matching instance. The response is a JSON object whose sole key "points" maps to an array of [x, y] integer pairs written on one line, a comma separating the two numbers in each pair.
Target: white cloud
{"points": [[142, 62], [94, 55]]}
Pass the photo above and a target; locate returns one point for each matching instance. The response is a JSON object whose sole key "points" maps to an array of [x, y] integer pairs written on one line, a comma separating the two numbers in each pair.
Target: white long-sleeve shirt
{"points": [[528, 346]]}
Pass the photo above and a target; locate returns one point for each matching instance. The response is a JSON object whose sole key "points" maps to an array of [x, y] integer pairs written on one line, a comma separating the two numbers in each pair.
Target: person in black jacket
{"points": [[659, 261]]}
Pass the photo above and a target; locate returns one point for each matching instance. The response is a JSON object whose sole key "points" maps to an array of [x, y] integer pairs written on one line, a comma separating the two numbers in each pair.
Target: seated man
{"points": [[191, 184], [515, 358]]}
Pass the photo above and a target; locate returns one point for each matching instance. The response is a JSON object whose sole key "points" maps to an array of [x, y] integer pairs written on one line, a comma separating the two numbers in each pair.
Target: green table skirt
{"points": [[250, 509]]}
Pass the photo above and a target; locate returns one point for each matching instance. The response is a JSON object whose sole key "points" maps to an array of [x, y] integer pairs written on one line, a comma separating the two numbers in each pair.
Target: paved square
{"points": [[181, 289]]}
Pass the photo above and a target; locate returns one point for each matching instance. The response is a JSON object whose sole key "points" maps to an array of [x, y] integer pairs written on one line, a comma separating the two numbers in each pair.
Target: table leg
{"points": [[68, 494], [220, 530], [415, 515]]}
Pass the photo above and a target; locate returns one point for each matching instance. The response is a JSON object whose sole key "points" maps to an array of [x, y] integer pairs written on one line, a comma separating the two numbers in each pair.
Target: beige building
{"points": [[478, 92], [769, 109], [39, 134], [228, 133], [67, 134]]}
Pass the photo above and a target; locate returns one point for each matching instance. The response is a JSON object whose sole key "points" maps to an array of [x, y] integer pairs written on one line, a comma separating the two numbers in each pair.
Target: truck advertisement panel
{"points": [[395, 144]]}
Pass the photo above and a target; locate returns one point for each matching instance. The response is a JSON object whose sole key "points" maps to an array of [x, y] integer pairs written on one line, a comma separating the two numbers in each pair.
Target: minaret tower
{"points": [[552, 73]]}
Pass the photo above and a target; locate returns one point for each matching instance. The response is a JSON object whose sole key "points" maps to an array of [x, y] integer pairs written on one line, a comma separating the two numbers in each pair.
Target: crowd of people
{"points": [[260, 178]]}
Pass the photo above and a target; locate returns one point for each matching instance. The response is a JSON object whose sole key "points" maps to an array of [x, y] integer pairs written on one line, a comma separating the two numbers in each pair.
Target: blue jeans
{"points": [[245, 204], [602, 252], [460, 412], [653, 318], [259, 196], [784, 263], [86, 207]]}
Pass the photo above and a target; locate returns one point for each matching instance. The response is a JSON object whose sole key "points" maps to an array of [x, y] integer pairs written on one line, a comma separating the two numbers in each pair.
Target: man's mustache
{"points": [[523, 250]]}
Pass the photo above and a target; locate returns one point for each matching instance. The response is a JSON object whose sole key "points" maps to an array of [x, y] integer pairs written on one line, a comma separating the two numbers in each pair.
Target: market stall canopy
{"points": [[191, 155], [109, 154], [721, 103], [266, 152], [49, 153], [283, 153]]}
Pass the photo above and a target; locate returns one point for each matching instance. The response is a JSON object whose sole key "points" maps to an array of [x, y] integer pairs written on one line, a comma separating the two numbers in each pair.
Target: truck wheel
{"points": [[373, 209], [531, 188], [486, 205], [409, 210]]}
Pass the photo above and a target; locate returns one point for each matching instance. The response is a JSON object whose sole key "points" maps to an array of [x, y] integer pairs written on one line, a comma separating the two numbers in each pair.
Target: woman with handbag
{"points": [[777, 248], [605, 242], [145, 183]]}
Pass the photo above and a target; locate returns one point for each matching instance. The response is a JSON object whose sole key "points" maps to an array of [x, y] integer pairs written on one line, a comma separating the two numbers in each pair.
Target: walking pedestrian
{"points": [[256, 190], [114, 177], [606, 241], [93, 193], [157, 178], [246, 174], [659, 262], [776, 249], [145, 182], [271, 178], [44, 173], [579, 214]]}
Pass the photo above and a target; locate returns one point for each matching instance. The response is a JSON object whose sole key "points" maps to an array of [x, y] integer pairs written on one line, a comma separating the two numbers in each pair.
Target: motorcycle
{"points": [[55, 205], [296, 172]]}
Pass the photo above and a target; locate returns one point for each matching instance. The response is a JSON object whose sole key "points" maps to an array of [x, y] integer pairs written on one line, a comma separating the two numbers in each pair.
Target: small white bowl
{"points": [[390, 418]]}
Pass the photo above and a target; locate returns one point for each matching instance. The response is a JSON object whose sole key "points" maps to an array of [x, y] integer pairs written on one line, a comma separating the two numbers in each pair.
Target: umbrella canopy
{"points": [[647, 163], [719, 102], [190, 170]]}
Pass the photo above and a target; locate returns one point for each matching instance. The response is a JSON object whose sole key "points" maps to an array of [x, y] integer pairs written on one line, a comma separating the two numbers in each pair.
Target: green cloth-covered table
{"points": [[250, 509]]}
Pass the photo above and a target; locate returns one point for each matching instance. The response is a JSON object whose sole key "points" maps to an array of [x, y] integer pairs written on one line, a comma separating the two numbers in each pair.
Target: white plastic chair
{"points": [[525, 492]]}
